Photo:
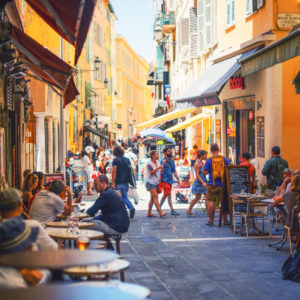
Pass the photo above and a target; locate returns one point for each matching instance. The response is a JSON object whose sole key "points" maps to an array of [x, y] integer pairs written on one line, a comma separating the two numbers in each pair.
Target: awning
{"points": [[278, 52], [164, 118], [96, 132], [13, 14], [69, 18], [45, 65], [206, 89], [188, 123]]}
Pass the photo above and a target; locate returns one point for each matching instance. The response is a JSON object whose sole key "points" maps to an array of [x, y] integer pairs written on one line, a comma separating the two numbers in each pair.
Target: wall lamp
{"points": [[97, 63], [258, 104]]}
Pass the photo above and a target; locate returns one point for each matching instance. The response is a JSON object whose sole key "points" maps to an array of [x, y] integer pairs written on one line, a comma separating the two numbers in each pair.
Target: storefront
{"points": [[239, 127]]}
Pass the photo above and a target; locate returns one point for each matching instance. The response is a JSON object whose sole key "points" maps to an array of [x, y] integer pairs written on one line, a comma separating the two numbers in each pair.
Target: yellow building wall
{"points": [[134, 103]]}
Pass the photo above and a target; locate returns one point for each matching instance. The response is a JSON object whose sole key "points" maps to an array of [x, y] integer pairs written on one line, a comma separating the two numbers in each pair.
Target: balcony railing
{"points": [[168, 19]]}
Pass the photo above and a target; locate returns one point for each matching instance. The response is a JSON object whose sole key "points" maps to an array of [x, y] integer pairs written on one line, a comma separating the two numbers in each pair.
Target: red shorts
{"points": [[167, 188]]}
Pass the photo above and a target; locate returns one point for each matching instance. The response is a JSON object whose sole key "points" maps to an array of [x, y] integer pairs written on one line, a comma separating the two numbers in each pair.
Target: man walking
{"points": [[273, 168], [167, 178], [120, 177], [214, 167]]}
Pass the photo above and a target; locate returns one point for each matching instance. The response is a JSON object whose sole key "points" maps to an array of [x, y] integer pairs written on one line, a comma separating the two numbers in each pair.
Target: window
{"points": [[230, 13], [193, 33], [251, 7]]}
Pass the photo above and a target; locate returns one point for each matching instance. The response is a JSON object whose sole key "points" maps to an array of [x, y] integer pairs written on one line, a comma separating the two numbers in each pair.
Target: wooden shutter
{"points": [[208, 23], [171, 5], [249, 7], [185, 32], [193, 33], [232, 12], [215, 21], [200, 24]]}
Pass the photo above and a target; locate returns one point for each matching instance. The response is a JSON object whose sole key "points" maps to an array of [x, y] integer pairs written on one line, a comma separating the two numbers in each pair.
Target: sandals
{"points": [[210, 224], [163, 214], [190, 214], [151, 216]]}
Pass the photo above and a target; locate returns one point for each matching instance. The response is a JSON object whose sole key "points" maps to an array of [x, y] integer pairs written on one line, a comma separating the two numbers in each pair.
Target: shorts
{"points": [[213, 193], [150, 186], [167, 188]]}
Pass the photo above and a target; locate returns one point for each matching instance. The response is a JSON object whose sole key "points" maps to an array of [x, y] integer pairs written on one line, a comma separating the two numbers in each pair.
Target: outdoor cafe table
{"points": [[114, 266], [78, 216], [66, 292], [131, 288], [62, 224], [56, 259]]}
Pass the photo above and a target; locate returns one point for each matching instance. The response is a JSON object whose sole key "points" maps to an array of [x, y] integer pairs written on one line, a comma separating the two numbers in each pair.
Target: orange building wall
{"points": [[290, 113]]}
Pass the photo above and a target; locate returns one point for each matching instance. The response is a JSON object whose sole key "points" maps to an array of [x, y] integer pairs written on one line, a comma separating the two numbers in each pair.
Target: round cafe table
{"points": [[131, 288], [63, 234], [78, 216], [56, 259], [67, 292], [114, 266], [61, 224]]}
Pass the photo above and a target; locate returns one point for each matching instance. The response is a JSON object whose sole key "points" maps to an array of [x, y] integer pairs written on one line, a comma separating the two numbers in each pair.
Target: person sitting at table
{"points": [[47, 204], [15, 237], [245, 161], [287, 178], [11, 206], [290, 198], [29, 184], [114, 219]]}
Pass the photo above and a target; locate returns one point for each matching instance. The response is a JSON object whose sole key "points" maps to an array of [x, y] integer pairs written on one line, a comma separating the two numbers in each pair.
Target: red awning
{"points": [[45, 65], [69, 18]]}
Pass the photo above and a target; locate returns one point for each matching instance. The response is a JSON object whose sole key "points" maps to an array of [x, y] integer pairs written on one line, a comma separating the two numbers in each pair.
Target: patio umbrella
{"points": [[155, 133]]}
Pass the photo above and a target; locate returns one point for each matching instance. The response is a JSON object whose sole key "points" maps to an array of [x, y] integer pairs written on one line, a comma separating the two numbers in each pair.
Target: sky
{"points": [[135, 23]]}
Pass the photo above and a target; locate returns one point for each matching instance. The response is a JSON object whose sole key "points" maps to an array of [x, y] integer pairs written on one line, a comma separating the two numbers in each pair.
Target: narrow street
{"points": [[179, 257]]}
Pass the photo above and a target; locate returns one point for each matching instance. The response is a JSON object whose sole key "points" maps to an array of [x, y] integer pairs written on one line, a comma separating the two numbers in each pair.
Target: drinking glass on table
{"points": [[76, 226], [83, 241], [69, 224]]}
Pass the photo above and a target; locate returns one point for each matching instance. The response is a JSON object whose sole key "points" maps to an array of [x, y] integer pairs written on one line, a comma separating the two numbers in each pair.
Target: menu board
{"points": [[54, 176], [260, 139], [237, 179]]}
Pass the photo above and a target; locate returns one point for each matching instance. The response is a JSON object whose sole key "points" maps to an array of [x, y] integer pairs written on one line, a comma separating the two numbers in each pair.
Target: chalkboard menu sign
{"points": [[237, 179], [260, 140]]}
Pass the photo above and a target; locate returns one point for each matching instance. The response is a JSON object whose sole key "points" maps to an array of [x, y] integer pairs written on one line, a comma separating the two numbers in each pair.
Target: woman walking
{"points": [[88, 167], [153, 171], [199, 186]]}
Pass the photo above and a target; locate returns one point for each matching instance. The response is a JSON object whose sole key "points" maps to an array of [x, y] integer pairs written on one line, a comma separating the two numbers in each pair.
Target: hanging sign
{"points": [[288, 20], [228, 130], [160, 142], [237, 83], [251, 115]]}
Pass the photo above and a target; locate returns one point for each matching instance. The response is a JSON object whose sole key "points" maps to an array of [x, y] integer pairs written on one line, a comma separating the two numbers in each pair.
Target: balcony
{"points": [[168, 22]]}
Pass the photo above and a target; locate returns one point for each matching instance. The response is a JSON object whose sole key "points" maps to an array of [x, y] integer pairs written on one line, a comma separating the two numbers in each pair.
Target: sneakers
{"points": [[210, 224], [132, 213], [174, 213]]}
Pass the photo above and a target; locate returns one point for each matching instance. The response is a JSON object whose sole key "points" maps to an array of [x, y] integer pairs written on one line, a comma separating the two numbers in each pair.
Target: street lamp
{"points": [[97, 63]]}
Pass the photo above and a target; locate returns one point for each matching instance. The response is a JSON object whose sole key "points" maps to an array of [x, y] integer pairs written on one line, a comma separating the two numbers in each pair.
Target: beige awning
{"points": [[165, 118]]}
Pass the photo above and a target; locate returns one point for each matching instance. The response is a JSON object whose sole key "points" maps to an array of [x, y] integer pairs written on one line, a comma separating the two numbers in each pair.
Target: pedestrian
{"points": [[153, 176], [193, 157], [167, 179], [214, 167], [245, 161], [200, 183], [120, 177], [273, 168], [88, 167]]}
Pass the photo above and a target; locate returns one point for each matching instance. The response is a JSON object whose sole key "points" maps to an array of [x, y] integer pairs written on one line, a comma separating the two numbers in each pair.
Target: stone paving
{"points": [[179, 257]]}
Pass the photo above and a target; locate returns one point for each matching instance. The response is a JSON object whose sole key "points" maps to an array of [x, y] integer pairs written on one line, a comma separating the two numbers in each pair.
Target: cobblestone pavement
{"points": [[179, 257]]}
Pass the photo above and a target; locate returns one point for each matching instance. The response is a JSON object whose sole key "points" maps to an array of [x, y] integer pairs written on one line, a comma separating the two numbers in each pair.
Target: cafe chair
{"points": [[250, 217], [294, 228], [238, 206]]}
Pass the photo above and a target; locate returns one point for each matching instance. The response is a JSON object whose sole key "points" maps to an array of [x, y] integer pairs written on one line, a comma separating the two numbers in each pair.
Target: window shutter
{"points": [[215, 21], [200, 24], [228, 13], [171, 5], [193, 20], [193, 33], [194, 45], [232, 12], [208, 23], [185, 32], [249, 7]]}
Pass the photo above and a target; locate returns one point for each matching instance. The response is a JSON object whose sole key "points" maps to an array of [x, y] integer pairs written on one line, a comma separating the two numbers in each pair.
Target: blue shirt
{"points": [[169, 169], [208, 168]]}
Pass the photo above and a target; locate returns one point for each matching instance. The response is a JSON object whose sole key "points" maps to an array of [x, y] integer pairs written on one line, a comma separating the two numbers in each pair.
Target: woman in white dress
{"points": [[88, 167]]}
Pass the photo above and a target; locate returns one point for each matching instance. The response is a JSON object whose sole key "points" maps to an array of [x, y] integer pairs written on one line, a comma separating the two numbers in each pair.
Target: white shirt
{"points": [[152, 179], [132, 157], [88, 167]]}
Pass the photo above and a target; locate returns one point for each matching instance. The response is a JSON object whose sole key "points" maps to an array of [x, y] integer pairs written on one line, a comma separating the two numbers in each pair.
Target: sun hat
{"points": [[89, 149], [10, 199], [15, 236]]}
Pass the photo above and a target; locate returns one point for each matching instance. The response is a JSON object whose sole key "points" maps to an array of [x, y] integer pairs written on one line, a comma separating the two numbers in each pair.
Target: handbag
{"points": [[159, 188]]}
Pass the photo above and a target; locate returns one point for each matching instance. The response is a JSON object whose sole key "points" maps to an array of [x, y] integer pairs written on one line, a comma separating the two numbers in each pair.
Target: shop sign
{"points": [[160, 142], [237, 83], [260, 137], [119, 126], [288, 20], [228, 130], [54, 176], [251, 115]]}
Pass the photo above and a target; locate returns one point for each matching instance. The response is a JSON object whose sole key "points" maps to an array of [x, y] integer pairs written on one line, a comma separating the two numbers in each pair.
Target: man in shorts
{"points": [[167, 179], [214, 185]]}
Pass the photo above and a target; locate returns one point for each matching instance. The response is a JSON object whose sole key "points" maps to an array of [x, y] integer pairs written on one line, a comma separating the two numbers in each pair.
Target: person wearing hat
{"points": [[11, 206], [88, 167], [16, 236]]}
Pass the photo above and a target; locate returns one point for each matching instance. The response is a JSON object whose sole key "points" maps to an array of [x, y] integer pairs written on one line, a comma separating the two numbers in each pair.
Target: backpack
{"points": [[291, 268], [280, 165], [217, 165]]}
